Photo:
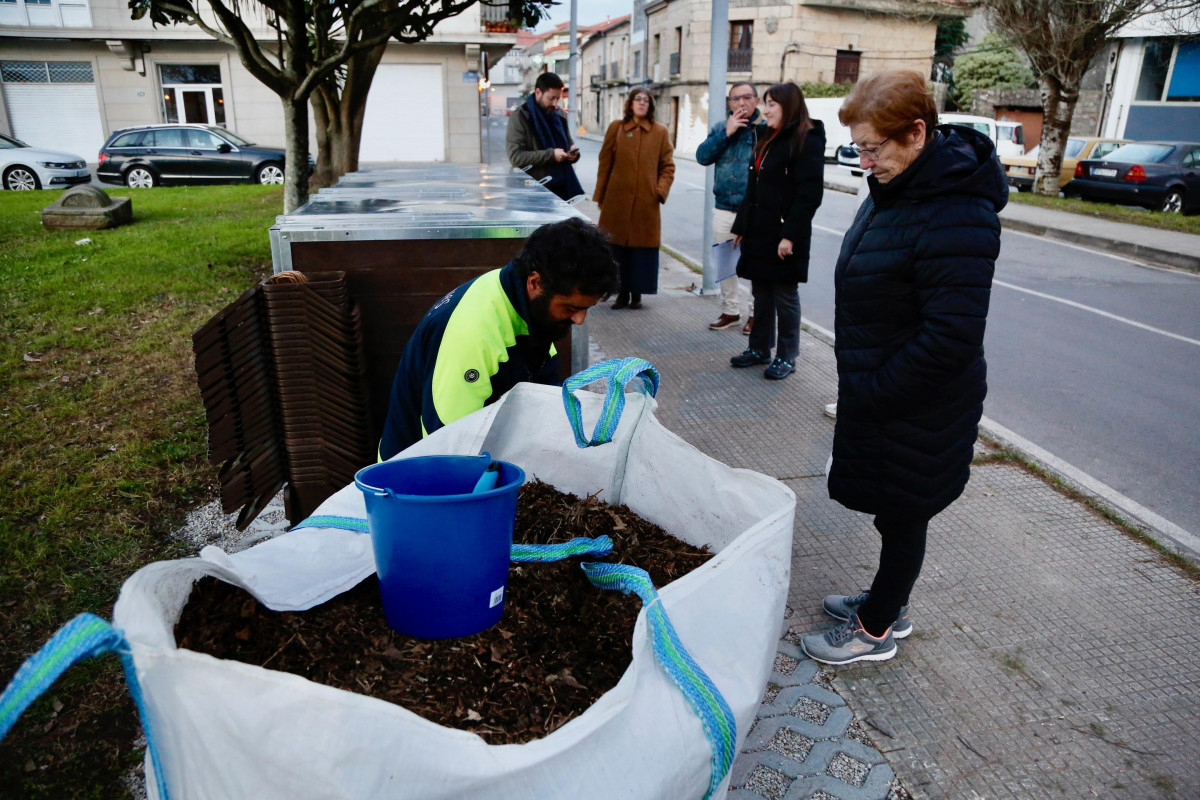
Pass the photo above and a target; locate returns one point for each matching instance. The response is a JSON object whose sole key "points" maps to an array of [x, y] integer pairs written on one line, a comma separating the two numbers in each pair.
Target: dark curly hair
{"points": [[572, 255]]}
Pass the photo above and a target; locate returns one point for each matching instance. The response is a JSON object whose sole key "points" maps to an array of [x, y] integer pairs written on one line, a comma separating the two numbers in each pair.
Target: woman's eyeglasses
{"points": [[870, 151]]}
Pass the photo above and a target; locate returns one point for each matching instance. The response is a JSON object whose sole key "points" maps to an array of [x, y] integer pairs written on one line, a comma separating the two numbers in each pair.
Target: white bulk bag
{"points": [[223, 729]]}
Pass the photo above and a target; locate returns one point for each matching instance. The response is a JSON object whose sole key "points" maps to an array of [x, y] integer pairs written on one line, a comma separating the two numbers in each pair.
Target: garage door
{"points": [[405, 117], [45, 110]]}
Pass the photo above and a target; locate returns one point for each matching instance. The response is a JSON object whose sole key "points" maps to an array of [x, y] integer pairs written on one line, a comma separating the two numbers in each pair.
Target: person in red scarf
{"points": [[774, 226]]}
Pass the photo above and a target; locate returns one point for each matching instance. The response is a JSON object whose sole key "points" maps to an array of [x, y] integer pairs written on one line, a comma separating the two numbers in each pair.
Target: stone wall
{"points": [[1086, 121]]}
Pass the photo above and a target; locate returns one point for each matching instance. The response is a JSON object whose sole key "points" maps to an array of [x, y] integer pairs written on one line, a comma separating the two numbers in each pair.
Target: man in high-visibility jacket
{"points": [[497, 330]]}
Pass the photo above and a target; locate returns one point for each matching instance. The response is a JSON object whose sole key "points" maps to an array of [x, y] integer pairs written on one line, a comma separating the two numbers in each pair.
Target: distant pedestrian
{"points": [[538, 138], [729, 145], [634, 177], [912, 286], [774, 226]]}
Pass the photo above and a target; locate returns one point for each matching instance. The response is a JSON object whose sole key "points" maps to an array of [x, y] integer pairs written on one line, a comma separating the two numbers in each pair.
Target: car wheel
{"points": [[1173, 202], [1021, 188], [140, 178], [270, 174], [21, 179]]}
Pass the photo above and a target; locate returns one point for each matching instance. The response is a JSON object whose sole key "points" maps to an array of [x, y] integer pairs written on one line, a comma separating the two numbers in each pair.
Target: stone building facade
{"points": [[811, 40]]}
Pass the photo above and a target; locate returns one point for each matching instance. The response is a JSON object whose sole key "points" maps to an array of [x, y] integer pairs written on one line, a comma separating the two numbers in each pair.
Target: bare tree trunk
{"points": [[339, 115], [323, 100], [1058, 106], [295, 178]]}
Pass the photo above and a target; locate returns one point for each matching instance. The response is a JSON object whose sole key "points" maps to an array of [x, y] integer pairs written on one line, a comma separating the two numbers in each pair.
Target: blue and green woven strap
{"points": [[701, 693], [581, 546], [619, 371], [328, 521], [86, 636]]}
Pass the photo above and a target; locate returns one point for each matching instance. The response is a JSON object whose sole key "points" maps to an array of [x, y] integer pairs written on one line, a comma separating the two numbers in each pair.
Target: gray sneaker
{"points": [[848, 643], [842, 606]]}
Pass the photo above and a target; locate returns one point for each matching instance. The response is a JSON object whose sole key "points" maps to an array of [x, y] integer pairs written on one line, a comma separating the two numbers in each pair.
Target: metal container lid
{"points": [[425, 201]]}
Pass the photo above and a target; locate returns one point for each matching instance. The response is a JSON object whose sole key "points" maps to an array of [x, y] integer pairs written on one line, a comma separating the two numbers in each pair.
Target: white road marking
{"points": [[1082, 307]]}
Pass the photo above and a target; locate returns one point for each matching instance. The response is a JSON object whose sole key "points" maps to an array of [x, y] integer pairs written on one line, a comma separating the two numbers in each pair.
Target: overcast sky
{"points": [[589, 11]]}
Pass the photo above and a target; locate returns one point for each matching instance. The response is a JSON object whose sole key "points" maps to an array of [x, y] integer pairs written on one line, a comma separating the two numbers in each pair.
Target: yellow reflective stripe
{"points": [[478, 334]]}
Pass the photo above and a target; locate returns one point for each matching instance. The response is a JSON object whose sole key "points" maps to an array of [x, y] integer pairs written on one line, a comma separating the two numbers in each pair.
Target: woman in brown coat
{"points": [[635, 175]]}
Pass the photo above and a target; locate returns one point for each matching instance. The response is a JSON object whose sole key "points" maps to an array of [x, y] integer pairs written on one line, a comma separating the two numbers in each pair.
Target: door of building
{"points": [[405, 116], [192, 93], [41, 95]]}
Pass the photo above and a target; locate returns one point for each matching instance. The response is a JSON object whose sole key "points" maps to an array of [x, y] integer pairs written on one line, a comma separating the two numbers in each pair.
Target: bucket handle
{"points": [[85, 636], [619, 372]]}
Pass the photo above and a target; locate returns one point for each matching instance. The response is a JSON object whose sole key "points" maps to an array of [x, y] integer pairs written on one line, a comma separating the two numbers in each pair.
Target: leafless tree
{"points": [[1061, 37]]}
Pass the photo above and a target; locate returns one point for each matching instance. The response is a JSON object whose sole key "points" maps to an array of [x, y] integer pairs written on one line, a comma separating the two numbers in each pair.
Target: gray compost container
{"points": [[405, 235]]}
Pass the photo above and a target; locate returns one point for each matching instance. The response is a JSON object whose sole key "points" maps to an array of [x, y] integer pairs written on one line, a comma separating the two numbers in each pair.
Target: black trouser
{"points": [[900, 561], [776, 300]]}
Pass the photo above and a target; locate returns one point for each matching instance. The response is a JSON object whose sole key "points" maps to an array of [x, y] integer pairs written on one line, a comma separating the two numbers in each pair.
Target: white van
{"points": [[826, 110], [1008, 136]]}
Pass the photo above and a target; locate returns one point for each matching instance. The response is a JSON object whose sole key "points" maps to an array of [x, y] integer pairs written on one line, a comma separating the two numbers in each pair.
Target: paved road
{"points": [[1092, 357]]}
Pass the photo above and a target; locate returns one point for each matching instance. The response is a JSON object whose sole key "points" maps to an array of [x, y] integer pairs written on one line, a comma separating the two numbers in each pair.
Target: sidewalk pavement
{"points": [[1053, 654]]}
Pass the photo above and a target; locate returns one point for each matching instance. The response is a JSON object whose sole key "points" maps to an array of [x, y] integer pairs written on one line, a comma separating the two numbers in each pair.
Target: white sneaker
{"points": [[831, 410]]}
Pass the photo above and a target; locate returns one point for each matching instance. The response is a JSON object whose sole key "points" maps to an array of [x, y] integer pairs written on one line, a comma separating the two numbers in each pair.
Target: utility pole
{"points": [[573, 70], [718, 62]]}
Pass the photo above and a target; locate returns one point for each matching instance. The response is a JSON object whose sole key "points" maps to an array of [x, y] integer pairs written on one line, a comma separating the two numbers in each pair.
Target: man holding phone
{"points": [[538, 139]]}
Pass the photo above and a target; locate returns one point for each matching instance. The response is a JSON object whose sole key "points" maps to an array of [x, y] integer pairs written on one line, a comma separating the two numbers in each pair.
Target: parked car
{"points": [[1156, 175], [1021, 170], [1008, 136], [156, 155], [24, 168], [846, 157]]}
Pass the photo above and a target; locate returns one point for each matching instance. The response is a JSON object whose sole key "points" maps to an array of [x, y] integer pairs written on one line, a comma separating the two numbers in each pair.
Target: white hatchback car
{"points": [[23, 168], [1008, 136]]}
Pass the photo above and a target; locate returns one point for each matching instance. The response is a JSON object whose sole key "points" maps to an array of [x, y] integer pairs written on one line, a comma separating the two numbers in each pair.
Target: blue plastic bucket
{"points": [[442, 552]]}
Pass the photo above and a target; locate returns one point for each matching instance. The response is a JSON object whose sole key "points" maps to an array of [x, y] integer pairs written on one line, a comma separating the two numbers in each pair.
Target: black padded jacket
{"points": [[913, 282]]}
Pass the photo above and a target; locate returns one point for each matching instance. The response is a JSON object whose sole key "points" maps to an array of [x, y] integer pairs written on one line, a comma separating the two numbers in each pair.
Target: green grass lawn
{"points": [[102, 440], [1136, 216]]}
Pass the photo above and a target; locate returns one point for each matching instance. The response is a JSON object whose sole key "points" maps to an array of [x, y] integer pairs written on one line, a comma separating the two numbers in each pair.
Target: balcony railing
{"points": [[739, 60], [495, 18], [674, 62]]}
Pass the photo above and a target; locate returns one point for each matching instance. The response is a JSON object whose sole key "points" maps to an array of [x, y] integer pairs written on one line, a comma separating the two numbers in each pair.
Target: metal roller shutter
{"points": [[56, 117], [405, 115]]}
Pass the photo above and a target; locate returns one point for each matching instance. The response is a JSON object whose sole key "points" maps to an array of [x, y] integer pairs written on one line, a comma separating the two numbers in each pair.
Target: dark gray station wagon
{"points": [[176, 154]]}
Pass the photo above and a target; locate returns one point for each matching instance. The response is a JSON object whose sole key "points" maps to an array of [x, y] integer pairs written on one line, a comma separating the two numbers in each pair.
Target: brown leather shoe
{"points": [[749, 326], [724, 321], [622, 301]]}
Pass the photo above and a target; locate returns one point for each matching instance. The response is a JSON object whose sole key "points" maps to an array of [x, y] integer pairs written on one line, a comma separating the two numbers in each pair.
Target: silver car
{"points": [[24, 168]]}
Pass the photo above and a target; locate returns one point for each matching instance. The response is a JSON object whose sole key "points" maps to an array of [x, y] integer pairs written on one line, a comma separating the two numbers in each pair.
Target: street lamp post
{"points": [[717, 64]]}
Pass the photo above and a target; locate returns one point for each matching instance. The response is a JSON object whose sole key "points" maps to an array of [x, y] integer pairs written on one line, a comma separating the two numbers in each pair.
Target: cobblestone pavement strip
{"points": [[1052, 656]]}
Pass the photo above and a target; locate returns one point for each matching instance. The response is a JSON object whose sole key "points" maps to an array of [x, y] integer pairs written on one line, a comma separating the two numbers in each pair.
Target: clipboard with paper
{"points": [[725, 259]]}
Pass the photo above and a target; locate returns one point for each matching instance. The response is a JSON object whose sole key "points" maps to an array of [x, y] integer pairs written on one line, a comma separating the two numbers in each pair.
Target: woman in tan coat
{"points": [[635, 175]]}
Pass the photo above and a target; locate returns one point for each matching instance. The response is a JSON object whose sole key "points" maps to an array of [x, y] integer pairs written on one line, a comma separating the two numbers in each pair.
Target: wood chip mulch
{"points": [[561, 644]]}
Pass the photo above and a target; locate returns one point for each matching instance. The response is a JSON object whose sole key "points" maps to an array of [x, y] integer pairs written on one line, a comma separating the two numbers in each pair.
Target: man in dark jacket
{"points": [[539, 138], [729, 145], [497, 330]]}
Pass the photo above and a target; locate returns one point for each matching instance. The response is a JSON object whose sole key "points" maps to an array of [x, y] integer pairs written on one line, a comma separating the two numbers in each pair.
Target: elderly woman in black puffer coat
{"points": [[912, 283]]}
